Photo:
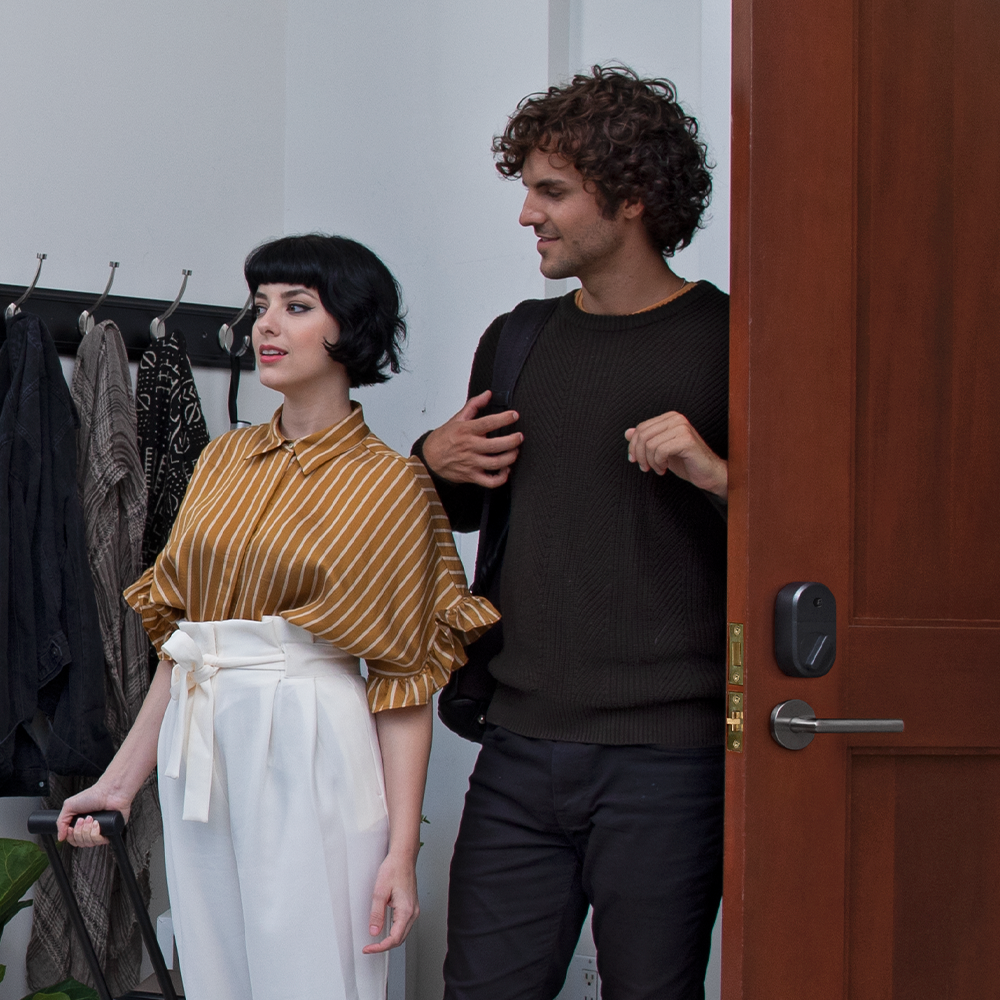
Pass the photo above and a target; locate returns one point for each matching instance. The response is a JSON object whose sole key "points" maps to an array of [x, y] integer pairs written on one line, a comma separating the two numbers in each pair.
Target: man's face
{"points": [[574, 238]]}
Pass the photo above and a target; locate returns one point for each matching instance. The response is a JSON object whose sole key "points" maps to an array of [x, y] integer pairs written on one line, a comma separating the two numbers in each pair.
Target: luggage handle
{"points": [[43, 823]]}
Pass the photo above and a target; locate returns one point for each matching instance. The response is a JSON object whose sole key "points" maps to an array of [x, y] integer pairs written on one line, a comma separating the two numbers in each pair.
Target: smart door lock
{"points": [[805, 629]]}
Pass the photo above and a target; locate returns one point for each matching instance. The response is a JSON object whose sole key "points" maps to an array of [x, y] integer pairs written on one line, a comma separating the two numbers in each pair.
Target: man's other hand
{"points": [[669, 442], [462, 452]]}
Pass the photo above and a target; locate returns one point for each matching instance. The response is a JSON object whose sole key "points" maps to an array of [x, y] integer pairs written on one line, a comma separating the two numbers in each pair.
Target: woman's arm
{"points": [[124, 776], [404, 734]]}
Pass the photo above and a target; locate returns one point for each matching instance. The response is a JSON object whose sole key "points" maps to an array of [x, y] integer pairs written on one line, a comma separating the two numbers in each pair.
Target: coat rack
{"points": [[65, 313]]}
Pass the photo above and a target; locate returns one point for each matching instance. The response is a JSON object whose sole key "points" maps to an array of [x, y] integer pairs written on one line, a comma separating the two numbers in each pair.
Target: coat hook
{"points": [[158, 328], [86, 321], [15, 307], [227, 336]]}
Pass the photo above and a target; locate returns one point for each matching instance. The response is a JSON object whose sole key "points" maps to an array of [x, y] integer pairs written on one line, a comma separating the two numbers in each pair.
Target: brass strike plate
{"points": [[736, 653], [734, 722]]}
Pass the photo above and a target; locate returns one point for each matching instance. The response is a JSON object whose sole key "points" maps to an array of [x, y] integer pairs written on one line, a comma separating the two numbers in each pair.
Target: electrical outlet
{"points": [[582, 980]]}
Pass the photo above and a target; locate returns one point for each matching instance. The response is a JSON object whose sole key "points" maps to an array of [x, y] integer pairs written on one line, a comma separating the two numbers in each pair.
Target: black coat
{"points": [[51, 656]]}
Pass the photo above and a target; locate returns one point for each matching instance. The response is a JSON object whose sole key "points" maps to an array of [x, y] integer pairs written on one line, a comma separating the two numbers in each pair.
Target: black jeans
{"points": [[550, 827]]}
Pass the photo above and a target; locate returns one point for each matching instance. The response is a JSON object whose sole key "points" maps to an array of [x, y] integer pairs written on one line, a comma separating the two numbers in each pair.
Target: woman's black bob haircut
{"points": [[356, 289]]}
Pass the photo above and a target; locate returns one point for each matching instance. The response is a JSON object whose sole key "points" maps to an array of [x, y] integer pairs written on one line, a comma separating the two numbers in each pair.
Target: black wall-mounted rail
{"points": [[60, 310]]}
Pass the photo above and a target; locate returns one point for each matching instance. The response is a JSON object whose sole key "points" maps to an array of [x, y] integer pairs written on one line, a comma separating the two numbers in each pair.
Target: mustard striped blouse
{"points": [[334, 532]]}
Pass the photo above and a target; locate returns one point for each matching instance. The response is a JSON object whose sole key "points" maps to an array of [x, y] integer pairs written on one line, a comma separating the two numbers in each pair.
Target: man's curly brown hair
{"points": [[627, 135]]}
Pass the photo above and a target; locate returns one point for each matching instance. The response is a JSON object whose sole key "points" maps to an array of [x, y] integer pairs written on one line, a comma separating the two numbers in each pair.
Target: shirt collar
{"points": [[316, 449]]}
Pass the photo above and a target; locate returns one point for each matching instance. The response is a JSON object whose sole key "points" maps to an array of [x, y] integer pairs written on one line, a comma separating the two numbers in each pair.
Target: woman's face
{"points": [[288, 336]]}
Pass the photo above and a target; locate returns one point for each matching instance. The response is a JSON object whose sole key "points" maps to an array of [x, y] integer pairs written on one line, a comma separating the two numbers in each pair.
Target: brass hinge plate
{"points": [[734, 722], [736, 672]]}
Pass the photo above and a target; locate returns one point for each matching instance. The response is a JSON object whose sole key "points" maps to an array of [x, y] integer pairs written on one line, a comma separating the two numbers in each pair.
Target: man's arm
{"points": [[669, 442], [462, 451], [461, 457], [463, 460]]}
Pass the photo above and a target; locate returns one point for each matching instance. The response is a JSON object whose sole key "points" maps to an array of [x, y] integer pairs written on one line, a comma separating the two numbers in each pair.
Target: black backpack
{"points": [[465, 699]]}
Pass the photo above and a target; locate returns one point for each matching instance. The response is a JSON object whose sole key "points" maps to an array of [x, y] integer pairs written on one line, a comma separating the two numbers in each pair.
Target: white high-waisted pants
{"points": [[268, 731]]}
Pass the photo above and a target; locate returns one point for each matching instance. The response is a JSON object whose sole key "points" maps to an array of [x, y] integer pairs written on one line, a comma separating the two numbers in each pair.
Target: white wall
{"points": [[181, 135], [391, 108], [150, 134]]}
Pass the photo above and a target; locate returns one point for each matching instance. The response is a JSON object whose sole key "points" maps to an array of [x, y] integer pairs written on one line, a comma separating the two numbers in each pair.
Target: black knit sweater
{"points": [[613, 586]]}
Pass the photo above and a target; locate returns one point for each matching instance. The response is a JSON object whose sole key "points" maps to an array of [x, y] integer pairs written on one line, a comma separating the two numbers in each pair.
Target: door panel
{"points": [[924, 912], [865, 455], [928, 358], [942, 673]]}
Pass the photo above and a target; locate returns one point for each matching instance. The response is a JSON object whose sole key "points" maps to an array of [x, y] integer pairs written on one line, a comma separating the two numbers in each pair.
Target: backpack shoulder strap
{"points": [[516, 340]]}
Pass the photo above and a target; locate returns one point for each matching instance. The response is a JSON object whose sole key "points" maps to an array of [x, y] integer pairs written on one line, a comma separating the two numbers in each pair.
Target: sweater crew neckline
{"points": [[615, 323]]}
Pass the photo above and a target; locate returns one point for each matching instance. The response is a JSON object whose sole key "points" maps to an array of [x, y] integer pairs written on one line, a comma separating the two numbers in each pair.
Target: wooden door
{"points": [[865, 455]]}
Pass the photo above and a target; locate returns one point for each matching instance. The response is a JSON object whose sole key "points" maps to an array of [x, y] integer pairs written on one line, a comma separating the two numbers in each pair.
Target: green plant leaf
{"points": [[3, 972], [21, 862], [21, 904], [68, 989]]}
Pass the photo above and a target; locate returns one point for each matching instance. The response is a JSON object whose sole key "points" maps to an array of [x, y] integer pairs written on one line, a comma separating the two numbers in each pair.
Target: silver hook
{"points": [[15, 307], [85, 323], [158, 328], [226, 335]]}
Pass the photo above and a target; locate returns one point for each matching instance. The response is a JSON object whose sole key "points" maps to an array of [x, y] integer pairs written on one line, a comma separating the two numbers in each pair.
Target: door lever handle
{"points": [[794, 725]]}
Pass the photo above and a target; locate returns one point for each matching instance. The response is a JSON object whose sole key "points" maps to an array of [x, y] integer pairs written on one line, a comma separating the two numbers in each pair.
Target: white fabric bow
{"points": [[194, 737]]}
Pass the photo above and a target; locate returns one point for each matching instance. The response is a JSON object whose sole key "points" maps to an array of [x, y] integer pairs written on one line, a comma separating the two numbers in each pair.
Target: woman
{"points": [[301, 546]]}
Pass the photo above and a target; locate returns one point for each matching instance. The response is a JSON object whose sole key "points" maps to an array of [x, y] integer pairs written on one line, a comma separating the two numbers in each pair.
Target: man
{"points": [[600, 779]]}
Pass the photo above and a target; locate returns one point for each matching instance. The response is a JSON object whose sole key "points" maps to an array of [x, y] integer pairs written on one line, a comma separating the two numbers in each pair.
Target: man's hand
{"points": [[461, 452], [670, 442]]}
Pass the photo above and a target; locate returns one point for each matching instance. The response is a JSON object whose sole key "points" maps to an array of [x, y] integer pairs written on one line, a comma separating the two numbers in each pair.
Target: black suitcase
{"points": [[43, 823]]}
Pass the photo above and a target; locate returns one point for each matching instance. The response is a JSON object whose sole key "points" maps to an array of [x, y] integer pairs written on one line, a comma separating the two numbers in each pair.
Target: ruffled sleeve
{"points": [[449, 618]]}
